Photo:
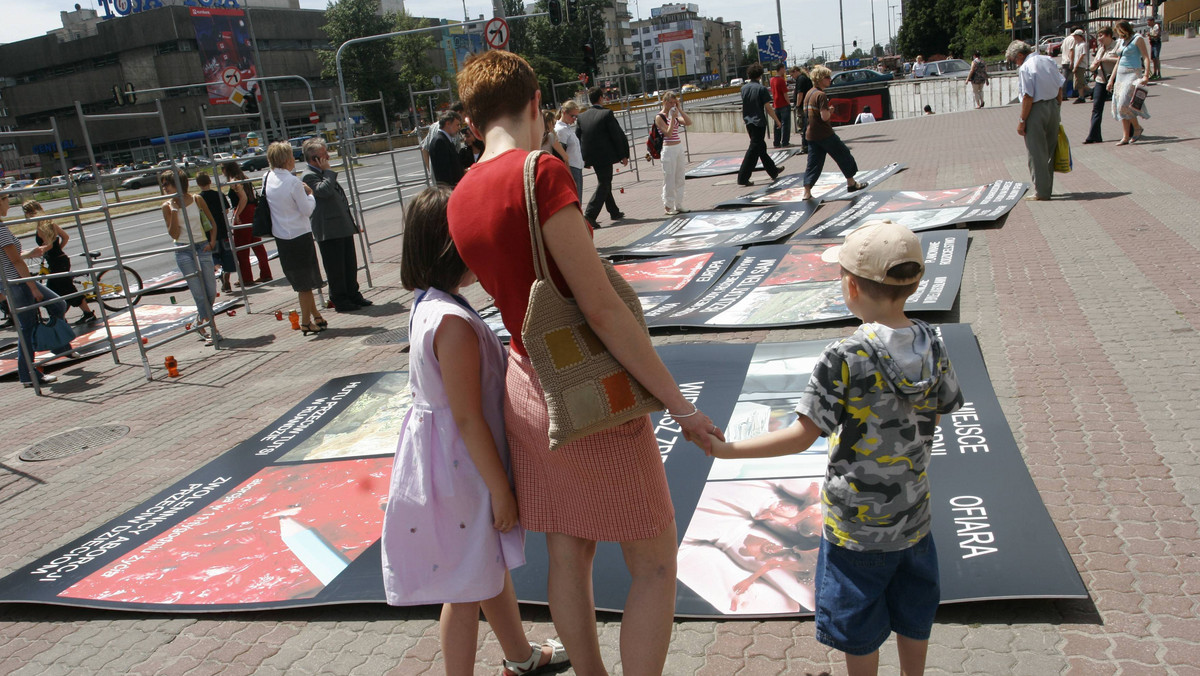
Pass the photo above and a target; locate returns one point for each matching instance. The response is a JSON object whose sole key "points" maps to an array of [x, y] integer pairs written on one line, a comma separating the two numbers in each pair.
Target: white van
{"points": [[737, 82]]}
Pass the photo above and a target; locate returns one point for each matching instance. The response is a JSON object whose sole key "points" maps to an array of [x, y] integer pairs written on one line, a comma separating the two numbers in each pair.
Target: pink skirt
{"points": [[608, 486]]}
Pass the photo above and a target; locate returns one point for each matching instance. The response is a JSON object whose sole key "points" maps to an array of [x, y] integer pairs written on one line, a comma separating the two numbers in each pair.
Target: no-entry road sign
{"points": [[496, 33]]}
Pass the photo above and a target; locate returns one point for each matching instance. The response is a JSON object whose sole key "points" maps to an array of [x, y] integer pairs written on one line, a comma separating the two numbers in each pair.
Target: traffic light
{"points": [[572, 10], [252, 100], [118, 95], [589, 58], [555, 9], [130, 93]]}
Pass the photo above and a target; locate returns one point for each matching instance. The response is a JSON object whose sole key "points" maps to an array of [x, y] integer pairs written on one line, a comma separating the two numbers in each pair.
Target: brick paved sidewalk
{"points": [[1087, 309]]}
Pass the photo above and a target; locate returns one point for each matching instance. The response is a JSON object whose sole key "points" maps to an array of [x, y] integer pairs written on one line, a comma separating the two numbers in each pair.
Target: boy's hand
{"points": [[718, 448], [504, 511]]}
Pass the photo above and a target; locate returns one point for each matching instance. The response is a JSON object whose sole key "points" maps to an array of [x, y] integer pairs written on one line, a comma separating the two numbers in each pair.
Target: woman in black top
{"points": [[244, 201], [51, 239]]}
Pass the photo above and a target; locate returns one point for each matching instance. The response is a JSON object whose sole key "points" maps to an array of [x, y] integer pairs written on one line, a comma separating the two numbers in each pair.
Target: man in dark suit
{"points": [[603, 144], [443, 152], [333, 228]]}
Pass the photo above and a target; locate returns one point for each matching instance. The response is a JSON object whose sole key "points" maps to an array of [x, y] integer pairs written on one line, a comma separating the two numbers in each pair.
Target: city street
{"points": [[1086, 310]]}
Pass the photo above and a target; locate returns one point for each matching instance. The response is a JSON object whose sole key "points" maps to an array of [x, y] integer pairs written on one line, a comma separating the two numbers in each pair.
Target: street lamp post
{"points": [[842, 25]]}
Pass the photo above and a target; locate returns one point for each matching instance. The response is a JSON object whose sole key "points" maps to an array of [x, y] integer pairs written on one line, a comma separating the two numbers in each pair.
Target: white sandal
{"points": [[558, 659]]}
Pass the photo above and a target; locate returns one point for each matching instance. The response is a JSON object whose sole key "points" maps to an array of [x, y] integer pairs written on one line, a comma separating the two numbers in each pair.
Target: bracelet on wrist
{"points": [[695, 410]]}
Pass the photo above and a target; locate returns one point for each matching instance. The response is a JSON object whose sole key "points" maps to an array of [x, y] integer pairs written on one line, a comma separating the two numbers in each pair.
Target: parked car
{"points": [[42, 183], [17, 185], [143, 181], [737, 82], [58, 180], [949, 68], [221, 157], [256, 162], [690, 88], [858, 77]]}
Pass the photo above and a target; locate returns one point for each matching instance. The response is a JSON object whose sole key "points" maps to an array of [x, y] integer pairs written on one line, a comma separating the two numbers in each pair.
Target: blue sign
{"points": [[770, 48], [47, 148], [115, 8], [712, 77], [848, 63]]}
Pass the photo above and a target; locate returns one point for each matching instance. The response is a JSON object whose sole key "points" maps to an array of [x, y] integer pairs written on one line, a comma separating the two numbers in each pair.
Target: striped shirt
{"points": [[7, 239]]}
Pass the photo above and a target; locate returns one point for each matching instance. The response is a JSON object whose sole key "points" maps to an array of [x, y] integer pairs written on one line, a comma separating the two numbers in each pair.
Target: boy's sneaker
{"points": [[43, 380]]}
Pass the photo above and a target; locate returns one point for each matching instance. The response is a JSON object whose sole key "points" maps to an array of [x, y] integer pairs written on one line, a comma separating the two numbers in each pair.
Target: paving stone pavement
{"points": [[1086, 308]]}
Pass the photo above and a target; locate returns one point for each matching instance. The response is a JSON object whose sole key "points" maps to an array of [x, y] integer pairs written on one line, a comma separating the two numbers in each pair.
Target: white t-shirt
{"points": [[864, 118], [290, 205], [570, 142]]}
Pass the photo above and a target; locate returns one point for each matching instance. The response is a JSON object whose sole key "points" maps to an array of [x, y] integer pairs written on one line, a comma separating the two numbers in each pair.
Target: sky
{"points": [[806, 23]]}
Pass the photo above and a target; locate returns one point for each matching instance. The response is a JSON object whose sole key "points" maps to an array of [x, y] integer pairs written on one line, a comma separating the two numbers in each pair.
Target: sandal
{"points": [[558, 660], [856, 187]]}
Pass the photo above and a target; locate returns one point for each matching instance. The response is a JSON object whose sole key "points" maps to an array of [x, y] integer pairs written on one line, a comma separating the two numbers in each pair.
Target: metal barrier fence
{"points": [[945, 95]]}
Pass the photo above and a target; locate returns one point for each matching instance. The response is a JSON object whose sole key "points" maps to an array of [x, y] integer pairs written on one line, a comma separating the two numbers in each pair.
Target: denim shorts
{"points": [[864, 596]]}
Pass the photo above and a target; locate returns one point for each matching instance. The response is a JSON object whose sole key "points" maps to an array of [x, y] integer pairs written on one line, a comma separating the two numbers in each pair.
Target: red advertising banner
{"points": [[674, 36], [226, 53]]}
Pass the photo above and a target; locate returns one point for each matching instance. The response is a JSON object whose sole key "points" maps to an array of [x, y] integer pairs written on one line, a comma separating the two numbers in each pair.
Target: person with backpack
{"points": [[977, 78], [667, 123]]}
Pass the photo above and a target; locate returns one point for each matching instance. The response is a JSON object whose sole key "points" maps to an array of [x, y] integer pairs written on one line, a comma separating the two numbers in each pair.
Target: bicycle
{"points": [[111, 291]]}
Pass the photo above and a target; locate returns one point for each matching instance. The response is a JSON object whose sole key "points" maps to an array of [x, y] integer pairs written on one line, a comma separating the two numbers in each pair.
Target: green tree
{"points": [[382, 66], [923, 30], [556, 52], [981, 29]]}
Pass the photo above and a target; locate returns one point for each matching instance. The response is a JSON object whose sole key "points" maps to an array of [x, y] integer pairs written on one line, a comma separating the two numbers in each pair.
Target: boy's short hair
{"points": [[754, 71], [819, 72], [885, 258], [429, 259], [595, 94], [202, 179], [493, 85]]}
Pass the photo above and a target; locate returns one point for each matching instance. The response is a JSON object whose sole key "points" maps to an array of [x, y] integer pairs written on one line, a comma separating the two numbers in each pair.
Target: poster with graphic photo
{"points": [[292, 516], [788, 284], [698, 231], [721, 166], [829, 187], [922, 209], [226, 53]]}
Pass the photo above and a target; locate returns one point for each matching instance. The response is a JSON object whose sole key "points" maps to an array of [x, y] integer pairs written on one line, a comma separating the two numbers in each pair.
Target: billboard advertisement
{"points": [[226, 53]]}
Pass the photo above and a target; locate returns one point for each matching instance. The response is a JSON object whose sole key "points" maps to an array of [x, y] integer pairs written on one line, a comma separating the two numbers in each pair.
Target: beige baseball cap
{"points": [[877, 247]]}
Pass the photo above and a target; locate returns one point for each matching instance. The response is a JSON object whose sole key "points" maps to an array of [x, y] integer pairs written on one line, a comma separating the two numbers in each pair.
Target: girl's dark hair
{"points": [[232, 171], [429, 259]]}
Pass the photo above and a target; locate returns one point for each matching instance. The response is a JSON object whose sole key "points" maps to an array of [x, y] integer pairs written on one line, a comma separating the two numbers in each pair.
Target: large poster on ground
{"points": [[226, 53], [788, 285], [831, 185], [292, 516], [703, 230], [923, 209], [721, 166]]}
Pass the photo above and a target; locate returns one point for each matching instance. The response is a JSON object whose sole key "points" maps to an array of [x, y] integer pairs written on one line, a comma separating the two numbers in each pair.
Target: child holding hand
{"points": [[877, 395], [450, 528]]}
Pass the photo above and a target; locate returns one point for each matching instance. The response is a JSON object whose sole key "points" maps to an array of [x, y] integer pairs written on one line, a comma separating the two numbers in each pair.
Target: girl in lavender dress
{"points": [[450, 530]]}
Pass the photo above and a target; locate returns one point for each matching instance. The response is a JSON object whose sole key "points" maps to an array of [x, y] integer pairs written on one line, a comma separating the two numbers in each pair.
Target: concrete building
{"points": [[154, 47], [677, 46]]}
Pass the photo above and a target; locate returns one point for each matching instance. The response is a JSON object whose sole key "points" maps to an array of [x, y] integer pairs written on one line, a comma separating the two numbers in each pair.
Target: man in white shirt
{"points": [[1076, 68], [1154, 35], [1039, 86], [865, 116]]}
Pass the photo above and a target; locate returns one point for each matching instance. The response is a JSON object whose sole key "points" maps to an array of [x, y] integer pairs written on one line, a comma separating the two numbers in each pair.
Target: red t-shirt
{"points": [[491, 229], [779, 92]]}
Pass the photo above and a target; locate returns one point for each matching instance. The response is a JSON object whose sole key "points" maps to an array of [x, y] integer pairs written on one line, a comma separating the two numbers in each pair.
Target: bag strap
{"points": [[541, 266]]}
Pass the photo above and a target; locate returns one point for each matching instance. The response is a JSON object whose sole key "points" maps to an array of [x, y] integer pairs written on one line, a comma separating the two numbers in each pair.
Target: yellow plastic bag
{"points": [[1062, 153]]}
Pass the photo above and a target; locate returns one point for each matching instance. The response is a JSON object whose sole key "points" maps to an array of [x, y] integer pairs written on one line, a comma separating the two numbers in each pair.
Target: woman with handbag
{"points": [[530, 248], [22, 295], [1132, 72], [291, 203], [243, 199]]}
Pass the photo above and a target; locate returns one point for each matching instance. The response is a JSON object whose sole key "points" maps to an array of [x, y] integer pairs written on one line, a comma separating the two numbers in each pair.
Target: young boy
{"points": [[877, 395], [217, 205]]}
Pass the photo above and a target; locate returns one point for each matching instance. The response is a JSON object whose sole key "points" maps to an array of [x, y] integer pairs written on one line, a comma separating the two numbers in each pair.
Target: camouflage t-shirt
{"points": [[877, 394]]}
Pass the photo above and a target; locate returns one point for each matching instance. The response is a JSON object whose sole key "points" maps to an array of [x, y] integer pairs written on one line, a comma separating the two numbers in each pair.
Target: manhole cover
{"points": [[387, 337], [73, 442]]}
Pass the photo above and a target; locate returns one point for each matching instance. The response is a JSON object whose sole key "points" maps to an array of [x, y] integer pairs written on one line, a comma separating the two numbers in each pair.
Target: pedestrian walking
{"points": [[22, 295], [333, 228], [1154, 35], [756, 108], [566, 129], [603, 145], [451, 531], [444, 160], [218, 206], [1132, 72], [783, 108], [803, 84], [1039, 88], [822, 140], [1101, 68], [669, 121], [977, 78]]}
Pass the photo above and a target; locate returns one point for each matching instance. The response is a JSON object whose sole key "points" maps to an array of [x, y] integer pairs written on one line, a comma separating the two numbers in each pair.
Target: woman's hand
{"points": [[504, 511], [697, 428], [307, 190]]}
